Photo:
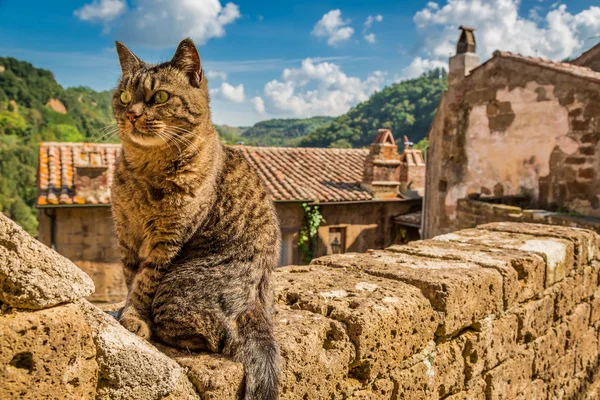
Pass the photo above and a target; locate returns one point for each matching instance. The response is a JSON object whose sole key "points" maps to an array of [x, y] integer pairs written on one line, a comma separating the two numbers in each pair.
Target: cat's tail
{"points": [[259, 353]]}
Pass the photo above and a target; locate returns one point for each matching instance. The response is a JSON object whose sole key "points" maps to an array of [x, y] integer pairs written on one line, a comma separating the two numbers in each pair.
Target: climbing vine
{"points": [[307, 240]]}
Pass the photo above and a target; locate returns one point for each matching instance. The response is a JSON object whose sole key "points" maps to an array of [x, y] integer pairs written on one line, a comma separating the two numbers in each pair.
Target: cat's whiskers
{"points": [[183, 140]]}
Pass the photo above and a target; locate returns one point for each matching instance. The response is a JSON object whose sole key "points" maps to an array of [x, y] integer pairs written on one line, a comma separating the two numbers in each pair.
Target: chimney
{"points": [[382, 167], [465, 59], [412, 170]]}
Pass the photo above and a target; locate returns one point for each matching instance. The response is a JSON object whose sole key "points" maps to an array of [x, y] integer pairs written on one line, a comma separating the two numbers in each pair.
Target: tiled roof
{"points": [[568, 68], [81, 173]]}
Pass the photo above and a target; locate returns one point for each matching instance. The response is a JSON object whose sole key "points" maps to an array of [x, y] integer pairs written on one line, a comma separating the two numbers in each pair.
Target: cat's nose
{"points": [[133, 116]]}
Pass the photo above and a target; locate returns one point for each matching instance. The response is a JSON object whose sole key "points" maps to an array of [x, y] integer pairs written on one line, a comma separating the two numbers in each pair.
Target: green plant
{"points": [[307, 240]]}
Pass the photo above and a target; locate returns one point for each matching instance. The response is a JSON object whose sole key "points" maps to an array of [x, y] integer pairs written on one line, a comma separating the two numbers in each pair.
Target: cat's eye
{"points": [[125, 97], [161, 96]]}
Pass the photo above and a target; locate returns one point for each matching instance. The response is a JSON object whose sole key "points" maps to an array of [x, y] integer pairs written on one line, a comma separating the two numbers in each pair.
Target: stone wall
{"points": [[514, 128], [471, 212], [504, 311]]}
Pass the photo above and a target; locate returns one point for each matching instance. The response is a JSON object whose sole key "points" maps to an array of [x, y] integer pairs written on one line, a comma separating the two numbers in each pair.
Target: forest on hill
{"points": [[35, 108], [406, 108]]}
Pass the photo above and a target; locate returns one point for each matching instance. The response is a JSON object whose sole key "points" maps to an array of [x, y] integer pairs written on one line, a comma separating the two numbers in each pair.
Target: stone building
{"points": [[370, 199], [518, 131]]}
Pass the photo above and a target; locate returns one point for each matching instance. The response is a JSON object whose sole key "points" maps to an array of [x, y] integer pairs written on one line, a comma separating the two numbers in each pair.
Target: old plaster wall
{"points": [[512, 128]]}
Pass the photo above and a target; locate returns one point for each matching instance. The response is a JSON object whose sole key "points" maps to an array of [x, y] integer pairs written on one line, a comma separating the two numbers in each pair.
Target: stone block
{"points": [[548, 349], [47, 354], [462, 292], [435, 372], [492, 342], [586, 241], [535, 318], [33, 276], [416, 382], [130, 368], [214, 376], [475, 392], [586, 352], [595, 307], [386, 320], [578, 322], [557, 253], [510, 378], [537, 389], [566, 296], [449, 365], [522, 273], [560, 376], [316, 353]]}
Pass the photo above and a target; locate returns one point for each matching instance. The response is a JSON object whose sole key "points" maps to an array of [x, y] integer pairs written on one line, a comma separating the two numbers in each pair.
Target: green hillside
{"points": [[25, 120], [283, 132], [407, 108]]}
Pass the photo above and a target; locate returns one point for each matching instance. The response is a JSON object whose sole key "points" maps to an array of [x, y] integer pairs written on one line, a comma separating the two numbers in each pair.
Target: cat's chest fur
{"points": [[146, 213]]}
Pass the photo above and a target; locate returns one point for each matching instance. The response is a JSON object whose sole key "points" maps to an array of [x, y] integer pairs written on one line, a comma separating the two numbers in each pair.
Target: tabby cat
{"points": [[197, 232]]}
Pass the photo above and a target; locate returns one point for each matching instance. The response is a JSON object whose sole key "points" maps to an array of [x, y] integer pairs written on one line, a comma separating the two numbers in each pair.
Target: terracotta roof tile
{"points": [[295, 174], [572, 69]]}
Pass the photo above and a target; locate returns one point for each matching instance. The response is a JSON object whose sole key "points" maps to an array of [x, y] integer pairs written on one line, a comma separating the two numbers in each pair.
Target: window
{"points": [[337, 241]]}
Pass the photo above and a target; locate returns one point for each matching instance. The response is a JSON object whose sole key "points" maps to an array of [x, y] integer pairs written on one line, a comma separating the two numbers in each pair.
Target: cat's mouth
{"points": [[137, 132]]}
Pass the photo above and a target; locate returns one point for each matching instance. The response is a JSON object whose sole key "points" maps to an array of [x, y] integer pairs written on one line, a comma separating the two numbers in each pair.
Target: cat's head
{"points": [[165, 103]]}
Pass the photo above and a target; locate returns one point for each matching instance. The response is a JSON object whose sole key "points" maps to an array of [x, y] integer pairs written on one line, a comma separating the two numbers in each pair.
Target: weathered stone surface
{"points": [[535, 318], [462, 292], [586, 352], [491, 342], [558, 253], [475, 392], [316, 353], [559, 376], [586, 241], [595, 307], [510, 378], [32, 275], [537, 389], [129, 367], [566, 296], [548, 349], [214, 376], [47, 354], [523, 273], [387, 321]]}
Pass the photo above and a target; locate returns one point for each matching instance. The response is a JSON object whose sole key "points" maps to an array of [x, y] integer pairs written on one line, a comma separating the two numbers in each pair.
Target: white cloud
{"points": [[216, 75], [163, 23], [101, 10], [556, 35], [333, 27], [318, 89], [370, 37], [370, 19], [227, 92], [259, 105], [420, 65]]}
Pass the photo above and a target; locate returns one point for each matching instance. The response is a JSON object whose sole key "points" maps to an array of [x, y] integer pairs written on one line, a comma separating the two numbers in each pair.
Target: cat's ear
{"points": [[187, 59], [129, 61]]}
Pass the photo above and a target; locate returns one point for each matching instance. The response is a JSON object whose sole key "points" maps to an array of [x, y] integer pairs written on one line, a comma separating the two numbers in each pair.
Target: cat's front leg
{"points": [[137, 313]]}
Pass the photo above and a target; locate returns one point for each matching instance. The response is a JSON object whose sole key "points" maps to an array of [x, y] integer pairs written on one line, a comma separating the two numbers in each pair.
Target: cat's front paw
{"points": [[135, 324]]}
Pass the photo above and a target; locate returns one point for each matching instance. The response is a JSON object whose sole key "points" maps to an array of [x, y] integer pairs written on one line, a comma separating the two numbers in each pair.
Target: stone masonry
{"points": [[503, 311]]}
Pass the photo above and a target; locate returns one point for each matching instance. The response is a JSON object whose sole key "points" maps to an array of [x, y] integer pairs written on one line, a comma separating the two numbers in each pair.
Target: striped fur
{"points": [[197, 232]]}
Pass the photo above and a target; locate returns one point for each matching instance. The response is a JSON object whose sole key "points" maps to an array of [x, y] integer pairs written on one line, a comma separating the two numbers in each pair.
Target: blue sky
{"points": [[272, 59]]}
